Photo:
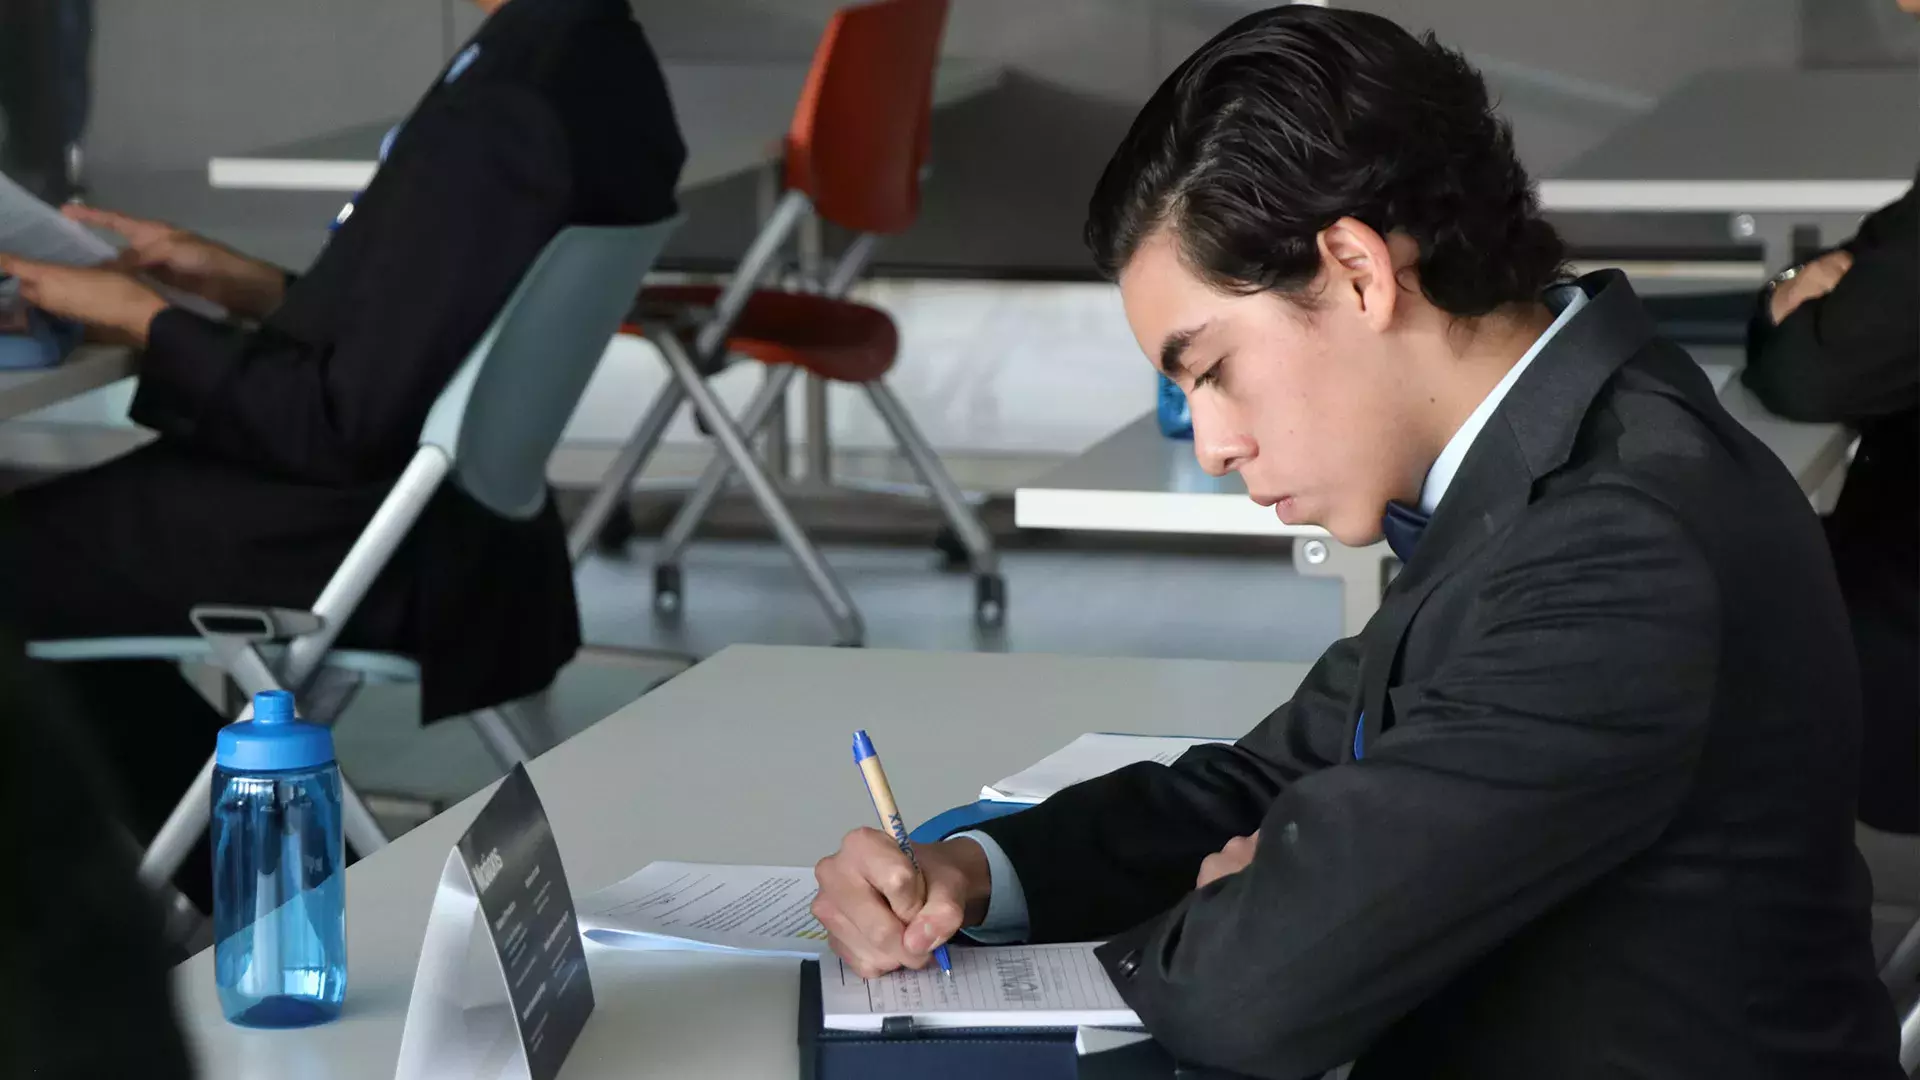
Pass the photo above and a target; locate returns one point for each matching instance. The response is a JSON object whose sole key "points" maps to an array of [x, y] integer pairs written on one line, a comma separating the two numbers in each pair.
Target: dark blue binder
{"points": [[899, 1051]]}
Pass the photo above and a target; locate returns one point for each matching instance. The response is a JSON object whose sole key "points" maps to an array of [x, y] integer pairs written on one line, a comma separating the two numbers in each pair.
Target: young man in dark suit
{"points": [[278, 438], [1578, 801], [1836, 340]]}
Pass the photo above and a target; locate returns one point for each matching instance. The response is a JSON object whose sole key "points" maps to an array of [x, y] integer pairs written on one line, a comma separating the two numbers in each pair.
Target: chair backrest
{"points": [[504, 411], [860, 133]]}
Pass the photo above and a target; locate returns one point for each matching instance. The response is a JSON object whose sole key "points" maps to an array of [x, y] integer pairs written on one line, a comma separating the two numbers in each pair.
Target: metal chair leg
{"points": [[932, 473], [1903, 966], [832, 595], [505, 743], [699, 501], [181, 831], [362, 829], [1910, 1041], [614, 485]]}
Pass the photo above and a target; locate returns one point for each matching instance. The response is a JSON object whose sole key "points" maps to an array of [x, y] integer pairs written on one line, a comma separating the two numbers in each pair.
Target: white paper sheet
{"points": [[1005, 986], [706, 908], [1085, 758], [34, 230]]}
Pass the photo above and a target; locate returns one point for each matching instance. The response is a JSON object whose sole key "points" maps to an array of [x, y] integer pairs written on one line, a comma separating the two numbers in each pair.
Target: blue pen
{"points": [[890, 823]]}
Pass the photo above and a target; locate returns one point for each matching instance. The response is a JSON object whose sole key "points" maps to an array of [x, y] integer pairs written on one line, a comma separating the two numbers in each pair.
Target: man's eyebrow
{"points": [[1174, 348]]}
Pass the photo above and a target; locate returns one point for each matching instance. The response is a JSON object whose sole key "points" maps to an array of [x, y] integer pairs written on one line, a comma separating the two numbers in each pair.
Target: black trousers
{"points": [[104, 553], [1889, 651]]}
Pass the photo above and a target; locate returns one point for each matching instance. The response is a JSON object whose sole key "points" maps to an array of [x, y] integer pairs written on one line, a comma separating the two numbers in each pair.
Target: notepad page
{"points": [[1006, 986], [1086, 757]]}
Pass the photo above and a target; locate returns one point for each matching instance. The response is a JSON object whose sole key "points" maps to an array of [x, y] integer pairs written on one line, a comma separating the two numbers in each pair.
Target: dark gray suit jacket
{"points": [[1603, 825]]}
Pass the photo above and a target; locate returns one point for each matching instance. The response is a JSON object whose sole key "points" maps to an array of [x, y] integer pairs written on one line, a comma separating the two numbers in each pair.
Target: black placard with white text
{"points": [[522, 890]]}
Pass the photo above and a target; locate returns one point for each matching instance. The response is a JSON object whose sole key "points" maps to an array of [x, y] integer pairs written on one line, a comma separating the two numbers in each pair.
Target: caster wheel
{"points": [[990, 601], [616, 532], [666, 590], [953, 553]]}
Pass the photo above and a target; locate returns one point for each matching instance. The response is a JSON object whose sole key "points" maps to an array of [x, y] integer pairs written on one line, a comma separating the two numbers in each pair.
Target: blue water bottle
{"points": [[279, 888], [1175, 421]]}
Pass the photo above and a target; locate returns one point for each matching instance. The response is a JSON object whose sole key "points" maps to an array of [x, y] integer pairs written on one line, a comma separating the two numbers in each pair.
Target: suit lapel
{"points": [[1529, 436]]}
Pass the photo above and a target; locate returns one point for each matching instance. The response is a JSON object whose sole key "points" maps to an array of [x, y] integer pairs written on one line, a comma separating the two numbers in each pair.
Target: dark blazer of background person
{"points": [[278, 441], [1602, 826], [1852, 356], [83, 975]]}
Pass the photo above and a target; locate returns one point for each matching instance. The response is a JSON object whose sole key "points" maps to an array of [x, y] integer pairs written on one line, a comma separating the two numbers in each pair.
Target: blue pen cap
{"points": [[862, 746], [275, 740]]}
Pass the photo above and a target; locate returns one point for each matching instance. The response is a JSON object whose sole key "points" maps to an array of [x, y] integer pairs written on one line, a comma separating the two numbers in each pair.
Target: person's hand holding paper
{"points": [[188, 261], [109, 303]]}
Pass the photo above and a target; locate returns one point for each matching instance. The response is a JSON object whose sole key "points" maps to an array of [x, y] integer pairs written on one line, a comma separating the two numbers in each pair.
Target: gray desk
{"points": [[732, 117], [1137, 480], [742, 759], [1772, 149], [88, 368]]}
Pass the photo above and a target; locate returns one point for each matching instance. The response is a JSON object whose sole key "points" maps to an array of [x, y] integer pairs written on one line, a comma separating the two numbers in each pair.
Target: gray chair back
{"points": [[500, 417]]}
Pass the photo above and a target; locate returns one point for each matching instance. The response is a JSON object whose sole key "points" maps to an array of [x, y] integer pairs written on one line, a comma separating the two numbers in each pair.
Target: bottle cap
{"points": [[274, 740]]}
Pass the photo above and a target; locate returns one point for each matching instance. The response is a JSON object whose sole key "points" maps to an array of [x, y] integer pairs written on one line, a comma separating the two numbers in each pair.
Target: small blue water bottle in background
{"points": [[279, 876], [1175, 421]]}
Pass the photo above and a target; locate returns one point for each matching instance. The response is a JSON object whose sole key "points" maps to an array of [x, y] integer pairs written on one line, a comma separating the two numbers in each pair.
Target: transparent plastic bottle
{"points": [[279, 876], [1175, 421]]}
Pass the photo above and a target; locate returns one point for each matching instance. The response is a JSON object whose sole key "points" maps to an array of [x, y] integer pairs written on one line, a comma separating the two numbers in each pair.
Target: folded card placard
{"points": [[502, 987]]}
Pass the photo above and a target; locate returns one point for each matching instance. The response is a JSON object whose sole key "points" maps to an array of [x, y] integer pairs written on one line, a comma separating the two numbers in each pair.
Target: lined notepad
{"points": [[1007, 986]]}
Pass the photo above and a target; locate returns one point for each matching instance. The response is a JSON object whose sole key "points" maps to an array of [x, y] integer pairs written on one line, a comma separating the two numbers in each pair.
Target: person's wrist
{"points": [[138, 322], [975, 875]]}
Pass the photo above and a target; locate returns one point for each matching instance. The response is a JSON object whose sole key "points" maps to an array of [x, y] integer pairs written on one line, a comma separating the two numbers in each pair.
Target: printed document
{"points": [[1085, 758], [1002, 986], [763, 910], [34, 230]]}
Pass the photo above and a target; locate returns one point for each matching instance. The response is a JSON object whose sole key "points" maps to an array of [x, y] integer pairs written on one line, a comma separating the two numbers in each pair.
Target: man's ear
{"points": [[1360, 271]]}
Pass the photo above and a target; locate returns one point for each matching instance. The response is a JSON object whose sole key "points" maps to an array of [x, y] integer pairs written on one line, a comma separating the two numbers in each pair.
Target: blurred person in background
{"points": [[282, 429], [1837, 340], [45, 73], [84, 974]]}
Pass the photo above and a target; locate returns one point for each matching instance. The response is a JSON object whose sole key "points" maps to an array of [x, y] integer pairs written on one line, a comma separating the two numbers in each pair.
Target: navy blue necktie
{"points": [[1403, 526]]}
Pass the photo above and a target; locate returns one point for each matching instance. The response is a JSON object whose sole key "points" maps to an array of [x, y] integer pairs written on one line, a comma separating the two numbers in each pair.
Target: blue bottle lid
{"points": [[274, 740]]}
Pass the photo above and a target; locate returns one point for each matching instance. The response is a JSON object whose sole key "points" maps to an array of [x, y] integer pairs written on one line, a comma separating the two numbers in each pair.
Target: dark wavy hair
{"points": [[1295, 117]]}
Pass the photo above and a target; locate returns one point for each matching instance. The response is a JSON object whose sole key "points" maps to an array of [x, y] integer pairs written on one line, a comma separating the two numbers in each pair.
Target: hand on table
{"points": [[875, 911], [189, 262], [111, 304], [1235, 857], [1816, 278]]}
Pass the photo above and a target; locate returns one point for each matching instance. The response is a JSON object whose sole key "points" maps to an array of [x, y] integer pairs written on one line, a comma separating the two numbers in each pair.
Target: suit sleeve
{"points": [[1553, 746], [479, 191], [1853, 354], [1103, 855]]}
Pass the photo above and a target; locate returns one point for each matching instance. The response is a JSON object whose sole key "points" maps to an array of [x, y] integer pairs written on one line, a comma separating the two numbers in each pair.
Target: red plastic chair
{"points": [[854, 156]]}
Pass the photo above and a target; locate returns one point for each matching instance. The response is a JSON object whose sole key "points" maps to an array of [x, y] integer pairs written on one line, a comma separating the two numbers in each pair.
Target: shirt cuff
{"points": [[1006, 921]]}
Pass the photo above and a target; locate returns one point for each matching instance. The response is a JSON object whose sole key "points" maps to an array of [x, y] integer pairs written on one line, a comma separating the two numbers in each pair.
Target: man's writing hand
{"points": [[875, 910]]}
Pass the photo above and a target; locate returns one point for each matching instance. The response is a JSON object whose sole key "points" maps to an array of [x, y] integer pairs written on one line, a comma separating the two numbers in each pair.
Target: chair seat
{"points": [[370, 665], [835, 339]]}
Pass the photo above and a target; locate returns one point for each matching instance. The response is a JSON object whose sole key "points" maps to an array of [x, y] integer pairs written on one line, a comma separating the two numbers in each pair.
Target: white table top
{"points": [[731, 115], [1137, 480], [88, 368], [743, 759], [1756, 141]]}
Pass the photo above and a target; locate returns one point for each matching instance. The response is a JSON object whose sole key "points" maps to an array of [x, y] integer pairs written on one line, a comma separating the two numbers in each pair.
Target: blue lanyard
{"points": [[454, 70]]}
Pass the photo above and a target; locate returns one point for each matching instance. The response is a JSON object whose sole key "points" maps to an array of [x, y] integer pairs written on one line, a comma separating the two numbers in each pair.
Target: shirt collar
{"points": [[1567, 300]]}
